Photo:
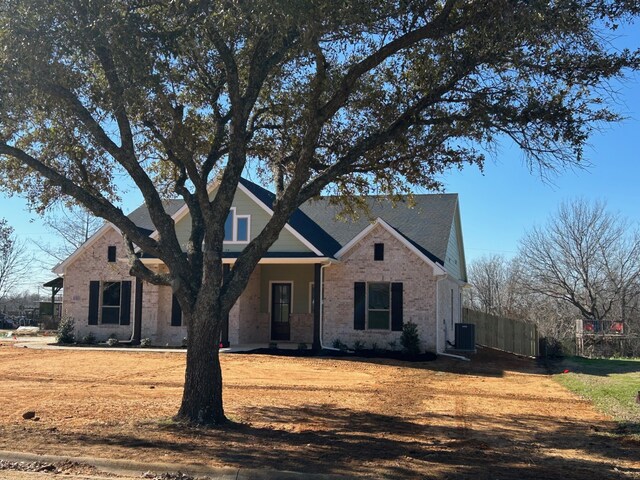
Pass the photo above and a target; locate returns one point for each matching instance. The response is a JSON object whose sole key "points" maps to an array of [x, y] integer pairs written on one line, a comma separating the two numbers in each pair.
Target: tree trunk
{"points": [[202, 394]]}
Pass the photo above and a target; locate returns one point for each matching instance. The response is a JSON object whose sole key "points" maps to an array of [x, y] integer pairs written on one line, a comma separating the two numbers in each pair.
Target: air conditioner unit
{"points": [[465, 336]]}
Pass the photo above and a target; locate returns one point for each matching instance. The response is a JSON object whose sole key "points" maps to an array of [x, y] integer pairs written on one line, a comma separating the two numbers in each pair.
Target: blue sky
{"points": [[499, 205]]}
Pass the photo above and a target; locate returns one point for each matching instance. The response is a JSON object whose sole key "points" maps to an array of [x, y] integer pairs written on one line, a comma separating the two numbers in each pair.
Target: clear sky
{"points": [[498, 206]]}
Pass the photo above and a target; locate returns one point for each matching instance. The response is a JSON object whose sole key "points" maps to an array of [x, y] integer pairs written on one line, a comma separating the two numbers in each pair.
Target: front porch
{"points": [[278, 305]]}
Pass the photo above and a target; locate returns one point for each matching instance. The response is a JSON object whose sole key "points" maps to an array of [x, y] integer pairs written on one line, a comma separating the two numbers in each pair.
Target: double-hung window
{"points": [[111, 297], [237, 227], [379, 305], [109, 302]]}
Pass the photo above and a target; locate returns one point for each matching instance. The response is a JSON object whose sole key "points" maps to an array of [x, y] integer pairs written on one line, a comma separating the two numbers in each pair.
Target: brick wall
{"points": [[92, 265], [400, 264]]}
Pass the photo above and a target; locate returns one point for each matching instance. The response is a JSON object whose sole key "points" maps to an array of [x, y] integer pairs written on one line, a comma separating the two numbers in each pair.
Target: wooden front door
{"points": [[280, 311]]}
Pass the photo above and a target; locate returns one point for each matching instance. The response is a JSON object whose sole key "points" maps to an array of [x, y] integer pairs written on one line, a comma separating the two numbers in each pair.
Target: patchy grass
{"points": [[611, 384]]}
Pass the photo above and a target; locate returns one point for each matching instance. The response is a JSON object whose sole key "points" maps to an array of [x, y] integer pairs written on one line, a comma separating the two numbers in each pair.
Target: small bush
{"points": [[89, 339], [358, 346], [410, 340], [340, 345], [185, 342], [113, 335], [66, 330], [112, 342], [145, 342], [273, 345], [393, 345], [302, 346]]}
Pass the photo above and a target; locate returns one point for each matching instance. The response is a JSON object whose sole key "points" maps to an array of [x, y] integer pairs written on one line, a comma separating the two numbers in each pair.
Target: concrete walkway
{"points": [[133, 470]]}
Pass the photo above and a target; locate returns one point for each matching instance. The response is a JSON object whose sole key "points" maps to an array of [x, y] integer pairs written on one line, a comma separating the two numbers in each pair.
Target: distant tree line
{"points": [[584, 263]]}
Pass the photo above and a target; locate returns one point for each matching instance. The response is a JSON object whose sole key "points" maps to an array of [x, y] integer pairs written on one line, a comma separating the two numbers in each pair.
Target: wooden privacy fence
{"points": [[506, 334]]}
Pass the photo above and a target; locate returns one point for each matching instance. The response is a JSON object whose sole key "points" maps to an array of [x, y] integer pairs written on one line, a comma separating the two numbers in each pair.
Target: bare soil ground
{"points": [[498, 416]]}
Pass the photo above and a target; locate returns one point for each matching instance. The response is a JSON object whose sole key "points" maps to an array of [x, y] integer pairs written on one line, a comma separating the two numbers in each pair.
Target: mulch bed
{"points": [[383, 354]]}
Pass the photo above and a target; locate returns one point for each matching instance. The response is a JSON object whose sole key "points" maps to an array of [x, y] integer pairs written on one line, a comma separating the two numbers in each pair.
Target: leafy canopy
{"points": [[373, 92]]}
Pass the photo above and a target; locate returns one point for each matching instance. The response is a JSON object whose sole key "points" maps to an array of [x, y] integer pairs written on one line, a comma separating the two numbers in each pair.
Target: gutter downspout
{"points": [[438, 352]]}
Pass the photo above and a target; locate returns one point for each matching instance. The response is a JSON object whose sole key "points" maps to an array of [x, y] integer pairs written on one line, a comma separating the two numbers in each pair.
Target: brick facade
{"points": [[400, 264], [248, 320]]}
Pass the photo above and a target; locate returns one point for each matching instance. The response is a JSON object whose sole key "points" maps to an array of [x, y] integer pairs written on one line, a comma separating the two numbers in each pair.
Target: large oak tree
{"points": [[315, 95]]}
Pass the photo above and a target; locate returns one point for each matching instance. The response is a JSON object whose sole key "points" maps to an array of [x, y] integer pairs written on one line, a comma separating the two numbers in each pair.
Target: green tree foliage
{"points": [[314, 95]]}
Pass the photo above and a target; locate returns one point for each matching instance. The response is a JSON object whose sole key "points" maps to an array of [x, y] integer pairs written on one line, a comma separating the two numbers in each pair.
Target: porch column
{"points": [[137, 314], [224, 334], [316, 306]]}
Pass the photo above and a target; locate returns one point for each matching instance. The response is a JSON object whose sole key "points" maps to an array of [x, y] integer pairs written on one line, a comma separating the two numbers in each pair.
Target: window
{"points": [[111, 294], [111, 253], [378, 251], [109, 302], [237, 228], [379, 306]]}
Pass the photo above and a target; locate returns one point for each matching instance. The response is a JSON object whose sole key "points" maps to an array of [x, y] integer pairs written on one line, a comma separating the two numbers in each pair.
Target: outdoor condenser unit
{"points": [[465, 336]]}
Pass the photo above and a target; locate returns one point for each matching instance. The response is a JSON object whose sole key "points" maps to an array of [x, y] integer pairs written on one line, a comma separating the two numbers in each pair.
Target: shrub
{"points": [[65, 332], [340, 345], [410, 340], [273, 345], [358, 346], [185, 342], [145, 342], [112, 342], [302, 346], [89, 339], [393, 344]]}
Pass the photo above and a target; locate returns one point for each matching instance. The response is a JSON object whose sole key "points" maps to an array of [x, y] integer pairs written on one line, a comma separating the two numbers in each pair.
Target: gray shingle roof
{"points": [[140, 216], [427, 223]]}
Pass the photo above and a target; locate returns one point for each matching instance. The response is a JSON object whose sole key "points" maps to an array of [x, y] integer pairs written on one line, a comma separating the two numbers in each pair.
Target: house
{"points": [[398, 264]]}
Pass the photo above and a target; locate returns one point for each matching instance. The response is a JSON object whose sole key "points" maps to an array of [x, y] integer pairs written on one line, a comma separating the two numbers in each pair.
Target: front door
{"points": [[280, 311]]}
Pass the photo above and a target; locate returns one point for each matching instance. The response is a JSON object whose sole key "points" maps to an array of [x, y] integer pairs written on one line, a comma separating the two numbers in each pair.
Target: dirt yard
{"points": [[495, 417]]}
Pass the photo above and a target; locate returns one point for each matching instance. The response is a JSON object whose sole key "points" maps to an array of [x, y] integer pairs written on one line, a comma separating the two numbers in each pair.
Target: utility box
{"points": [[465, 336]]}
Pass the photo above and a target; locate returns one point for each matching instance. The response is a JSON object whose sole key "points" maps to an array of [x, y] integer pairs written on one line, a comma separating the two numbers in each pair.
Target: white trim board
{"points": [[437, 268]]}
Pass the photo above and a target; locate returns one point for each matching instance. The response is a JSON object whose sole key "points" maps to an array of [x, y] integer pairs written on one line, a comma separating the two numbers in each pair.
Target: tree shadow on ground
{"points": [[484, 362], [327, 439]]}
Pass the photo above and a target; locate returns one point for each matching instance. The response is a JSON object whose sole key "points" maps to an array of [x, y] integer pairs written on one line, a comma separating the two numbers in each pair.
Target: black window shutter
{"points": [[359, 305], [111, 253], [176, 312], [125, 303], [94, 302], [396, 307]]}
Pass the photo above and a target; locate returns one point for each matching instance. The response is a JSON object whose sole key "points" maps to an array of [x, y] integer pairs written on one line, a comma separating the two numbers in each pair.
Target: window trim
{"points": [[234, 225]]}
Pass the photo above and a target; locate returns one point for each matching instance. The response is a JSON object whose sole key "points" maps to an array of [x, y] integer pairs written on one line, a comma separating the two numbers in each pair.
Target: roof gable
{"points": [[420, 253], [427, 223], [262, 200]]}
